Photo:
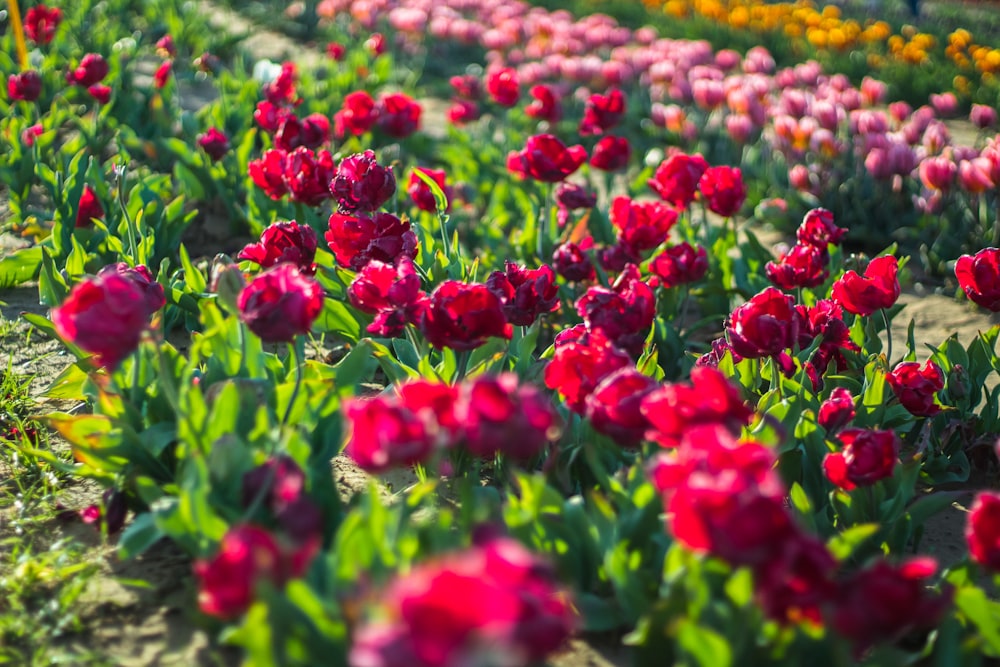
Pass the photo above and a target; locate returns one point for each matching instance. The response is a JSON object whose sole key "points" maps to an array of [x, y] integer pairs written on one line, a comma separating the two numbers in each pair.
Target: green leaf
{"points": [[316, 609], [706, 646], [192, 276], [932, 503], [41, 323], [845, 544], [739, 587], [440, 200], [52, 289], [599, 614], [138, 536], [800, 500], [20, 266], [69, 385], [354, 368], [337, 318], [983, 612]]}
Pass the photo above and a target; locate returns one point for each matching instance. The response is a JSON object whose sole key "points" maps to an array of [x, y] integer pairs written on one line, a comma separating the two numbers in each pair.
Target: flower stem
{"points": [[684, 308], [888, 336], [443, 226], [132, 242], [996, 223], [298, 382], [462, 364]]}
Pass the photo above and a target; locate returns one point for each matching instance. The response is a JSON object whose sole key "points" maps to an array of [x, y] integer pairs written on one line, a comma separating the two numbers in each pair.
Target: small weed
{"points": [[40, 589]]}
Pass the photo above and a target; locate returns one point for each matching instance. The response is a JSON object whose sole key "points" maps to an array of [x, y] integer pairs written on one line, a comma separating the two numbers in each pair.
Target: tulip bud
{"points": [[227, 282], [958, 384]]}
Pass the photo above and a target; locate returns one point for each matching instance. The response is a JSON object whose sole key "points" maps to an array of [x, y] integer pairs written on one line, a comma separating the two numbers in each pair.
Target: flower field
{"points": [[478, 333]]}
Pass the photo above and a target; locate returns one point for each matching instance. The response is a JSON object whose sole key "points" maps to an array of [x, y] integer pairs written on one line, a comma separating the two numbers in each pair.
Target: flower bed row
{"points": [[624, 413]]}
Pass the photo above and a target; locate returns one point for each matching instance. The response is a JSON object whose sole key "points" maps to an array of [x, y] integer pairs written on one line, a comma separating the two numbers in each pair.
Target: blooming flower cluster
{"points": [[724, 497], [519, 617], [485, 416], [395, 114]]}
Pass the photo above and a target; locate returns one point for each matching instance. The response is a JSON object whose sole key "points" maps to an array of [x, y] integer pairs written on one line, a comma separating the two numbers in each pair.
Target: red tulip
{"points": [[361, 184], [106, 315], [357, 240], [614, 407], [284, 242], [426, 619], [152, 292], [462, 112], [463, 316], [798, 582], [100, 93], [270, 116], [545, 105], [602, 112], [764, 326], [641, 225], [391, 293], [979, 277], [916, 387], [499, 415], [837, 411], [982, 530], [525, 293], [680, 264], [215, 143], [819, 229], [91, 70], [572, 263], [31, 133], [312, 132], [611, 153], [884, 602], [723, 190], [25, 86], [162, 74], [336, 51], [622, 313], [307, 175], [866, 457], [281, 90], [572, 196], [581, 361], [398, 115], [879, 288], [503, 86], [89, 208], [709, 400], [545, 158], [247, 556], [724, 498], [676, 179], [467, 87], [165, 47], [803, 266], [357, 116], [280, 304], [40, 23], [385, 434]]}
